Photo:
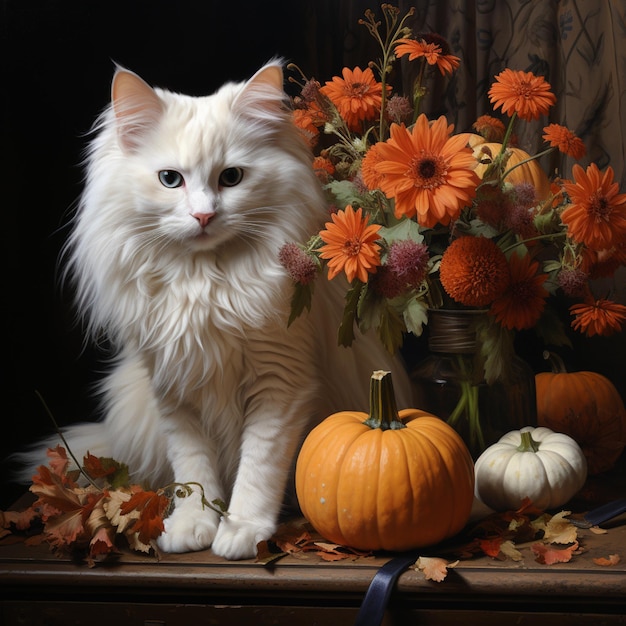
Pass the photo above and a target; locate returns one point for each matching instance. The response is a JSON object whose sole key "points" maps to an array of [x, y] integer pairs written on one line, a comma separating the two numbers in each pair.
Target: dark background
{"points": [[57, 64]]}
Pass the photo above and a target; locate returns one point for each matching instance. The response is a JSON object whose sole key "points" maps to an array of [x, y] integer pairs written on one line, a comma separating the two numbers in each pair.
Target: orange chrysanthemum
{"points": [[565, 140], [307, 121], [523, 93], [597, 215], [428, 171], [357, 96], [350, 245], [521, 304], [369, 173], [474, 271], [601, 317], [430, 51], [491, 128], [322, 163]]}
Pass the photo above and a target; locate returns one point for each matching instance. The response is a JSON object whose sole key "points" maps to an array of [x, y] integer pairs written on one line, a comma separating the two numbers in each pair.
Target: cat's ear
{"points": [[271, 74], [136, 106], [263, 94]]}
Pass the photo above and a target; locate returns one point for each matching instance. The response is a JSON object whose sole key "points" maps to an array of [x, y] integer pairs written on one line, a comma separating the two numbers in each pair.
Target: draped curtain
{"points": [[579, 46]]}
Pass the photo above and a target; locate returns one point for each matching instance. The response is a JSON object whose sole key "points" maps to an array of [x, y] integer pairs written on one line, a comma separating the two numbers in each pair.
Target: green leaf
{"points": [[344, 192], [391, 329], [497, 349], [120, 477], [300, 300], [369, 309], [346, 327], [415, 316], [406, 229]]}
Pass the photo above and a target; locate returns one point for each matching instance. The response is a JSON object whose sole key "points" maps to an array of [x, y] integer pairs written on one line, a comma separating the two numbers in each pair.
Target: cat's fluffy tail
{"points": [[79, 439]]}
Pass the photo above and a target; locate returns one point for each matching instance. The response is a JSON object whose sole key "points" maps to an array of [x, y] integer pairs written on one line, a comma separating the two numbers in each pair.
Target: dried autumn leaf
{"points": [[68, 527], [266, 553], [613, 559], [510, 551], [491, 547], [102, 544], [57, 460], [95, 467], [434, 568], [290, 538], [550, 555], [560, 530], [112, 505], [332, 556], [152, 506], [21, 520], [54, 496]]}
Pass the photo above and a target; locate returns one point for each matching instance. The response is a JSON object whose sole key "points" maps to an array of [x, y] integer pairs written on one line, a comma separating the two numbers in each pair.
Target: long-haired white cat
{"points": [[174, 255]]}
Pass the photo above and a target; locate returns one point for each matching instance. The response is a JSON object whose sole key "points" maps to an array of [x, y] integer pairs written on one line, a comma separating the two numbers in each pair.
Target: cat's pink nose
{"points": [[203, 218]]}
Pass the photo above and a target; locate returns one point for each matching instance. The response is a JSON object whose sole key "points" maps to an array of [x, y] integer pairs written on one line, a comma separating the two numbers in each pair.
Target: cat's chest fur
{"points": [[196, 325]]}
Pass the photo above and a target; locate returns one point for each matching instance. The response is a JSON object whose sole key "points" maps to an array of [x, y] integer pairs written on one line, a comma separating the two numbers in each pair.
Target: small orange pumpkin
{"points": [[530, 172], [388, 481], [587, 407]]}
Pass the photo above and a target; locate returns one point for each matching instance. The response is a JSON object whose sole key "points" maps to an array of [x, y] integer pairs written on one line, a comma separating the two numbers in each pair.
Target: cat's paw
{"points": [[238, 538], [188, 530]]}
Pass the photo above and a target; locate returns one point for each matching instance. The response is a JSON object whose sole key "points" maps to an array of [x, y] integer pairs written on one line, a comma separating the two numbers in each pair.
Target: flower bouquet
{"points": [[423, 217]]}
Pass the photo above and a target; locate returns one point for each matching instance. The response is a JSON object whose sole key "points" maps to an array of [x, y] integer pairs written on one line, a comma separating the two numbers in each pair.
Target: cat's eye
{"points": [[231, 176], [171, 178]]}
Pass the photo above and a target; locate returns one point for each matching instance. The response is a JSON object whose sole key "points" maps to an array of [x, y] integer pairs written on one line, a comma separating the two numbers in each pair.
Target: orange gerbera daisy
{"points": [[565, 140], [522, 302], [523, 93], [357, 96], [597, 215], [370, 175], [473, 270], [428, 171], [430, 51], [350, 245], [491, 128], [601, 317]]}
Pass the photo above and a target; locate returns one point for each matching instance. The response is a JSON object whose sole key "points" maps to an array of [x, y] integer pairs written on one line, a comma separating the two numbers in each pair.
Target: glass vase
{"points": [[450, 383]]}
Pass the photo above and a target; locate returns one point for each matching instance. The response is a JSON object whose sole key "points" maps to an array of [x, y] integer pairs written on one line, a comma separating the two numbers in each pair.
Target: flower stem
{"points": [[468, 408]]}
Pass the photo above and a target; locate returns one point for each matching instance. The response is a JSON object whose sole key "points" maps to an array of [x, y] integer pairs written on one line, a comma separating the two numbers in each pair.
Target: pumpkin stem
{"points": [[557, 364], [528, 444], [383, 408]]}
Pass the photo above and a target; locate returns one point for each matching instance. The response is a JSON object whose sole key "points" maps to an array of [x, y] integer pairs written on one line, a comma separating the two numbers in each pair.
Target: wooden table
{"points": [[39, 588]]}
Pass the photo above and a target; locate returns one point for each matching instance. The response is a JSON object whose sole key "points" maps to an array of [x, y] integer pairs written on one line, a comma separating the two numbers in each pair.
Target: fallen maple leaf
{"points": [[95, 466], [613, 559], [152, 506], [434, 568], [560, 530], [68, 527], [57, 460], [550, 555]]}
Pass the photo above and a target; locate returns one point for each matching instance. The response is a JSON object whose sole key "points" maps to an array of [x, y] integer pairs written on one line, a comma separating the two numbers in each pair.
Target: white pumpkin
{"points": [[538, 463]]}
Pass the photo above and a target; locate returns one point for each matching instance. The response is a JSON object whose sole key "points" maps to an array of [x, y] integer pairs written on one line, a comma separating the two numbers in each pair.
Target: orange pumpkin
{"points": [[388, 481], [530, 172], [587, 407]]}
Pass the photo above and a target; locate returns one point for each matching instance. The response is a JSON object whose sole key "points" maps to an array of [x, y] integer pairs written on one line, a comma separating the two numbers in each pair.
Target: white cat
{"points": [[174, 254]]}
